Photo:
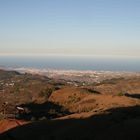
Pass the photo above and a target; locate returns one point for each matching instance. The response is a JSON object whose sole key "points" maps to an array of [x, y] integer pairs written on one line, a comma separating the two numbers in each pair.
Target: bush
{"points": [[73, 99], [1, 116], [120, 94], [46, 93]]}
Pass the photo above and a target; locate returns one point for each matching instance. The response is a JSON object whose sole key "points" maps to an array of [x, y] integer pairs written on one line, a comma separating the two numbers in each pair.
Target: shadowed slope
{"points": [[46, 110], [136, 95], [114, 124], [10, 123]]}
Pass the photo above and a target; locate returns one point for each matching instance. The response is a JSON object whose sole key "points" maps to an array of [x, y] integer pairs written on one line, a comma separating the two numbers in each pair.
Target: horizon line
{"points": [[68, 55]]}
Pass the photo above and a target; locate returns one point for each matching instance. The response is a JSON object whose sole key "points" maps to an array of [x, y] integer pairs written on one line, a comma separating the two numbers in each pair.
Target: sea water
{"points": [[98, 63]]}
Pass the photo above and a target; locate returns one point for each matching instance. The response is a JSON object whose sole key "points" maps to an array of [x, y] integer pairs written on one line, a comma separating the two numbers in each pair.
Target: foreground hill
{"points": [[56, 110], [115, 124]]}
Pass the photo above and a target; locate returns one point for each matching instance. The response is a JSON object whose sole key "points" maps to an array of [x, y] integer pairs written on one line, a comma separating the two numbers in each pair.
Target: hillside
{"points": [[57, 110]]}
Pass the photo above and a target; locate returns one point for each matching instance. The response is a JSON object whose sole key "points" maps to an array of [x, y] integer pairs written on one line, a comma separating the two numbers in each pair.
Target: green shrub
{"points": [[120, 94], [46, 93], [73, 99], [1, 116]]}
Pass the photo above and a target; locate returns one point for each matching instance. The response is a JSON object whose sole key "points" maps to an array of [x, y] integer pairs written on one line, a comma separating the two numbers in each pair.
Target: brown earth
{"points": [[10, 123], [109, 111]]}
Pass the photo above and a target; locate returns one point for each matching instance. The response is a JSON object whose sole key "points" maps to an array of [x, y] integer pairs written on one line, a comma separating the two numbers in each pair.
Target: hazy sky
{"points": [[95, 27]]}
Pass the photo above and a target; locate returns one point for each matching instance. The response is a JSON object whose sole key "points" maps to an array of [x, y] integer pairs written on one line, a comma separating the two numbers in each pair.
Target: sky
{"points": [[70, 27]]}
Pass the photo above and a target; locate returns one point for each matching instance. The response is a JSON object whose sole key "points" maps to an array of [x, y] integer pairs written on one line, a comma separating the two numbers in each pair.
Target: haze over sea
{"points": [[64, 62]]}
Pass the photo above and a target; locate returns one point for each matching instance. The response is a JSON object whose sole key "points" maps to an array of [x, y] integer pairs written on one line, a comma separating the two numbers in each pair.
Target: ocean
{"points": [[97, 63]]}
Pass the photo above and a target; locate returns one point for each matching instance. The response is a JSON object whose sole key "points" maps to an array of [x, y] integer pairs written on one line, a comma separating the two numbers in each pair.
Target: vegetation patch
{"points": [[121, 94], [1, 116], [111, 81], [46, 93], [73, 99]]}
